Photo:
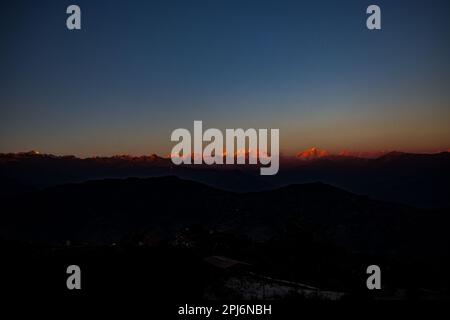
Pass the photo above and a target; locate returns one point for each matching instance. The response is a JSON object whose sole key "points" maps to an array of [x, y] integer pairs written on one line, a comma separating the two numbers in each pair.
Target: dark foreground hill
{"points": [[185, 237], [414, 179]]}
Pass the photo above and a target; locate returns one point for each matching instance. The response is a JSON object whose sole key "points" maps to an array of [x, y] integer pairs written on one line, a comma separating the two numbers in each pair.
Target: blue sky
{"points": [[139, 69]]}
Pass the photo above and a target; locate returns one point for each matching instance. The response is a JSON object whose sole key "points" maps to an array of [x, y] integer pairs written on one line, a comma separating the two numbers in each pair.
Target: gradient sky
{"points": [[139, 69]]}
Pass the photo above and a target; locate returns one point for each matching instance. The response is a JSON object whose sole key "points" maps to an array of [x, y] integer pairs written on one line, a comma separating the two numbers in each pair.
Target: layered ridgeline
{"points": [[415, 179]]}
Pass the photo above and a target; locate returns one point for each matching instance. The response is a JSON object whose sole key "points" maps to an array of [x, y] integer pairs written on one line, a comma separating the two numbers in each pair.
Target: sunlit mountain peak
{"points": [[313, 153]]}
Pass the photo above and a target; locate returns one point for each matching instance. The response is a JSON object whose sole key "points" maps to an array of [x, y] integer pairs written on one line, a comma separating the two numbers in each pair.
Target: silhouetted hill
{"points": [[313, 233], [106, 211], [415, 179]]}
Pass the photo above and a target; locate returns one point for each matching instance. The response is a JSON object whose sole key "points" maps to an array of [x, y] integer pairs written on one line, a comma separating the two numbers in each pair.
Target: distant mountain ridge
{"points": [[308, 154], [415, 179]]}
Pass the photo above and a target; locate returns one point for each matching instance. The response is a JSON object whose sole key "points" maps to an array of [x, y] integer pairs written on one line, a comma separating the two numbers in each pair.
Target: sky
{"points": [[137, 70]]}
